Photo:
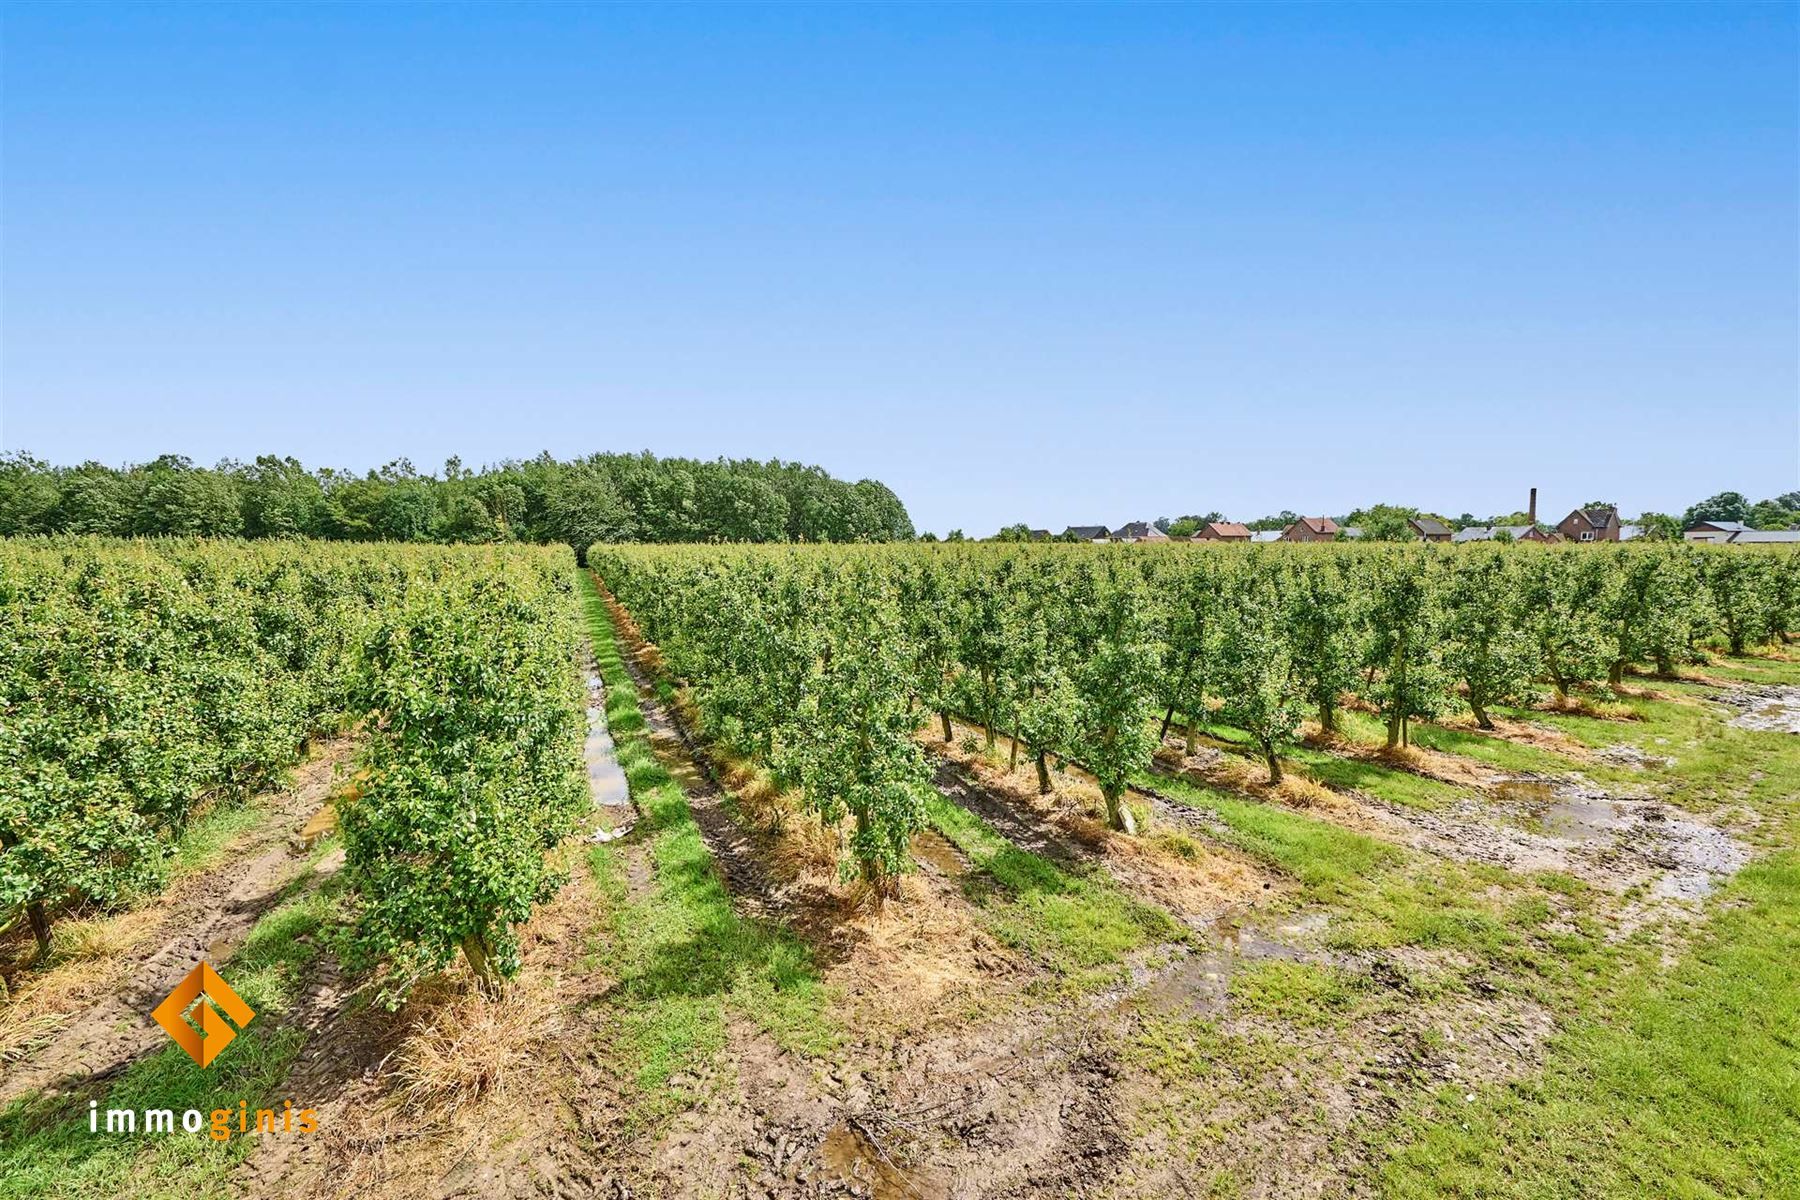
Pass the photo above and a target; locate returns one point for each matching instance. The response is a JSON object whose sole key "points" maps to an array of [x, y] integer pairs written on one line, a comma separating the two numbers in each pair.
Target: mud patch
{"points": [[1200, 983], [933, 851], [1625, 755], [1771, 709], [1569, 825]]}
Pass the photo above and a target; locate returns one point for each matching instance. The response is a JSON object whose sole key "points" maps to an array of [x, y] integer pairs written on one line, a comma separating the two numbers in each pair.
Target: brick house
{"points": [[1591, 525], [1222, 531], [1311, 529]]}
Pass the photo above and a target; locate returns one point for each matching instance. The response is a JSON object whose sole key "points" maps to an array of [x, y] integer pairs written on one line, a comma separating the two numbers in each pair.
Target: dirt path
{"points": [[204, 917]]}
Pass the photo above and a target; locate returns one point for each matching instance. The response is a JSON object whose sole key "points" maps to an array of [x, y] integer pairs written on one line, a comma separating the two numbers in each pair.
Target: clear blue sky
{"points": [[1047, 264]]}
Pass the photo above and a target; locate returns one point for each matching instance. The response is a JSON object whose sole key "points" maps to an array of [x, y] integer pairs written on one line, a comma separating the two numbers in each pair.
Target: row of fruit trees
{"points": [[142, 683], [821, 663]]}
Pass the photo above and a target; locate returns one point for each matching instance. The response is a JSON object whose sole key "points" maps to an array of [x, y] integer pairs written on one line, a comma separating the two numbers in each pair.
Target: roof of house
{"points": [[1487, 533], [1140, 529], [1040, 535], [1267, 535], [1721, 526], [1430, 526], [1318, 524], [1088, 532], [1227, 529], [1597, 517], [1766, 535]]}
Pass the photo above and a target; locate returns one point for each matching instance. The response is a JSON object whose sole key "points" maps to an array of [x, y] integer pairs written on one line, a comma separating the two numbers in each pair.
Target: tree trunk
{"points": [[1118, 815], [1274, 763], [1167, 717], [1556, 675], [1012, 759], [1327, 716], [1482, 720], [1192, 733], [1394, 723], [944, 715], [1615, 674], [481, 962], [40, 928], [1043, 766]]}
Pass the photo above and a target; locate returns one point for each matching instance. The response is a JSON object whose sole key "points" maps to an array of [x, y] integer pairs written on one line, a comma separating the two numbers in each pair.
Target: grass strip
{"points": [[1685, 1083], [46, 1148], [1072, 923], [683, 956]]}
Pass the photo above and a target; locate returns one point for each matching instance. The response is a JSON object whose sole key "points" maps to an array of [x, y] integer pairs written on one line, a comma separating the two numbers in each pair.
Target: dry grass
{"points": [[87, 939], [84, 964], [1178, 871], [470, 1045], [1232, 772], [1583, 706], [1526, 733], [24, 1027], [919, 962]]}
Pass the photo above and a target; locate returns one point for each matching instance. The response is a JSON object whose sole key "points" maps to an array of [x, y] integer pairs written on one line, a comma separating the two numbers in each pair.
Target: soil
{"points": [[1771, 708], [966, 1069], [203, 917]]}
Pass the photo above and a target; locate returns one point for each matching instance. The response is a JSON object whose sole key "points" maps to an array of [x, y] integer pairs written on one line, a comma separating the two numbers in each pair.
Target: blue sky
{"points": [[1062, 264]]}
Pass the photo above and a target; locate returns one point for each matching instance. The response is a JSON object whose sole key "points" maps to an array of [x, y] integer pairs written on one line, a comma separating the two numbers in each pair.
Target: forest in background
{"points": [[599, 498]]}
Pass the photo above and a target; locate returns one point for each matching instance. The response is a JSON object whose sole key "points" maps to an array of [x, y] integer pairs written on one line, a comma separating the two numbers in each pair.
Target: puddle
{"points": [[1682, 858], [1525, 791], [851, 1159], [1579, 818], [931, 848], [1202, 982], [1767, 709], [606, 779]]}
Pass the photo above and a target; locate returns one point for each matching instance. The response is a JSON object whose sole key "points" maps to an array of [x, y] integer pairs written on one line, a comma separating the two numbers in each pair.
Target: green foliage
{"points": [[1405, 648], [1256, 677], [603, 497], [1486, 646], [1726, 506], [474, 754], [140, 680], [1075, 650], [1385, 523]]}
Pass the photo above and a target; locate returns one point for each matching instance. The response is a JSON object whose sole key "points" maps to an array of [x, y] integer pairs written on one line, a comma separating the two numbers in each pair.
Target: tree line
{"points": [[823, 663], [603, 497]]}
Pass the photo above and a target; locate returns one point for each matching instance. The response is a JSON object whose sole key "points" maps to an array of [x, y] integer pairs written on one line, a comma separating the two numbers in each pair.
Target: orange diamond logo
{"points": [[200, 991]]}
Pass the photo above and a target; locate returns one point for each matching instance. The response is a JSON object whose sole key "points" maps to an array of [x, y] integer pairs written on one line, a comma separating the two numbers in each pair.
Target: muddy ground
{"points": [[968, 1070]]}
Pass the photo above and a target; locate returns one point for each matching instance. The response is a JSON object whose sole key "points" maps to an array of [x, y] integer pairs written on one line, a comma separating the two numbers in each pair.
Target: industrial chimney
{"points": [[1531, 513]]}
